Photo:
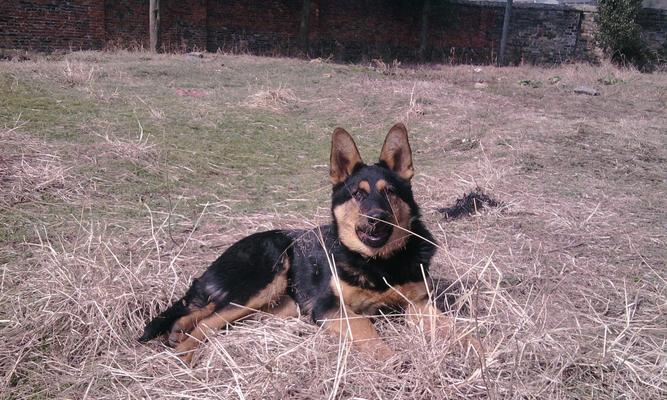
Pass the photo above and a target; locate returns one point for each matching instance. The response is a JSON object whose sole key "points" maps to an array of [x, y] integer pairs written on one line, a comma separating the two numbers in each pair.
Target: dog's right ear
{"points": [[396, 152], [344, 156]]}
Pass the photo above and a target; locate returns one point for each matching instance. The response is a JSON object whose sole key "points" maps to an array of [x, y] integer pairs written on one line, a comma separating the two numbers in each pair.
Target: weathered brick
{"points": [[459, 30]]}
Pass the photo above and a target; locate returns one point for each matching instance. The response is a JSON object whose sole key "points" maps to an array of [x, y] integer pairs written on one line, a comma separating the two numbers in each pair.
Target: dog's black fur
{"points": [[374, 254]]}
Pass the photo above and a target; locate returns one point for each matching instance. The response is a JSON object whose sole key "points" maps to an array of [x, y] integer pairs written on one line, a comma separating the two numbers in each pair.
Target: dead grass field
{"points": [[123, 175]]}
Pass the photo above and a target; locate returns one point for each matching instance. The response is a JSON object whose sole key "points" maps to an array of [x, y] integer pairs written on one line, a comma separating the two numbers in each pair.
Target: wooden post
{"points": [[154, 24], [423, 35], [304, 27], [506, 28]]}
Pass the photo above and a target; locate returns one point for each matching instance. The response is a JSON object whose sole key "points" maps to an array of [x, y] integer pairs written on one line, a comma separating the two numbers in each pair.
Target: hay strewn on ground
{"points": [[117, 191]]}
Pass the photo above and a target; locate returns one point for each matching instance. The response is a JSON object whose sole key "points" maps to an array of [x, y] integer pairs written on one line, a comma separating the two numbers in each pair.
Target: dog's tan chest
{"points": [[367, 302]]}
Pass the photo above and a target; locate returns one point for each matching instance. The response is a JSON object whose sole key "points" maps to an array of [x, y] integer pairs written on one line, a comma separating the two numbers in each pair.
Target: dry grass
{"points": [[77, 73], [130, 149], [33, 171], [111, 205], [272, 99]]}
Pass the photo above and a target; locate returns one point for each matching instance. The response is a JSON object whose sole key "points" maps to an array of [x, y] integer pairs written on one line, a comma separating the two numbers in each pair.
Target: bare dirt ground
{"points": [[124, 174]]}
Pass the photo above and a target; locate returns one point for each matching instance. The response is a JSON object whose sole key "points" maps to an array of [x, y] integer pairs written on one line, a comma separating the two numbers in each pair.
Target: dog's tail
{"points": [[163, 322]]}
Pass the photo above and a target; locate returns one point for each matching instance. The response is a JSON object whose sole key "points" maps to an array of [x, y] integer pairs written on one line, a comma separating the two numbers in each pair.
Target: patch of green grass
{"points": [[531, 83], [264, 152], [610, 80], [48, 114]]}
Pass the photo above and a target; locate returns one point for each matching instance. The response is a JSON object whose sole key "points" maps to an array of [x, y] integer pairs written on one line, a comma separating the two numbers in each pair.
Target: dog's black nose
{"points": [[375, 216]]}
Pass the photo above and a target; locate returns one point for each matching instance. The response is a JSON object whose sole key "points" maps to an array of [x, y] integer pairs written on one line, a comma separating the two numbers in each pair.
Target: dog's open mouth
{"points": [[374, 235]]}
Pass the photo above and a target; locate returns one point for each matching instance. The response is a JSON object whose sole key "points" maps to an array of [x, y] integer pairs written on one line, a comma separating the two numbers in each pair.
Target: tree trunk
{"points": [[154, 24], [423, 35], [503, 38], [304, 27]]}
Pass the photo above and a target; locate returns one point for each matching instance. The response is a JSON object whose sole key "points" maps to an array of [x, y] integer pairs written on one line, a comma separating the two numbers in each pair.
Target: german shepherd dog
{"points": [[374, 255]]}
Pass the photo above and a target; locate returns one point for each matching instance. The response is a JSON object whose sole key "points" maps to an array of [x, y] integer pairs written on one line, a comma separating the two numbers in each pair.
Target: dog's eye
{"points": [[359, 194], [389, 191]]}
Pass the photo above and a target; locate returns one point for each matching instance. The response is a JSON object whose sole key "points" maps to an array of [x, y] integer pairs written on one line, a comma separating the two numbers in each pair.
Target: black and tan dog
{"points": [[375, 254]]}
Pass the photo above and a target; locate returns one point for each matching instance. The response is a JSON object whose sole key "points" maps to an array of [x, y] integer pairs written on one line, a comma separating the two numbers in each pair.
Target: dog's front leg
{"points": [[423, 313], [429, 318], [435, 323], [359, 330]]}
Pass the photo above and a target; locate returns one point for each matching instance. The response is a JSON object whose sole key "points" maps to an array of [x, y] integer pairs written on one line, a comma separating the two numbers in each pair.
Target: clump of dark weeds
{"points": [[469, 204]]}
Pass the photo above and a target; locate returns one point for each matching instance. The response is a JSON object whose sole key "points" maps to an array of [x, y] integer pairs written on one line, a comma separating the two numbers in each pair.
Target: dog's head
{"points": [[372, 205]]}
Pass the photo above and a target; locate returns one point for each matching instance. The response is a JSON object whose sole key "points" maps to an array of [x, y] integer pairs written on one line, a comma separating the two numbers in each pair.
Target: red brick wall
{"points": [[89, 24], [467, 33], [51, 24], [262, 26], [126, 23], [352, 29], [348, 29], [460, 31], [182, 24]]}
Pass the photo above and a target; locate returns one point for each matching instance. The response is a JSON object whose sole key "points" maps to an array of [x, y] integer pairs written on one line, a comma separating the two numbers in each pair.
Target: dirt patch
{"points": [[187, 92]]}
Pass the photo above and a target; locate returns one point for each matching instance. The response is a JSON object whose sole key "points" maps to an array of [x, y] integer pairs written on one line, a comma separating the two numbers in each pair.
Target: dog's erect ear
{"points": [[396, 152], [344, 156]]}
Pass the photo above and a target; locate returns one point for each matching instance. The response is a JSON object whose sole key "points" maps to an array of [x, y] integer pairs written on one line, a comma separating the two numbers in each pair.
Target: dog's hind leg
{"points": [[181, 309], [207, 327], [231, 312], [185, 324]]}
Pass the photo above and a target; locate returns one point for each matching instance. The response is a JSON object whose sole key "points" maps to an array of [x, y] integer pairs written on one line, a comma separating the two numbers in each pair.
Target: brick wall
{"points": [[351, 29], [654, 29], [126, 23], [585, 48], [459, 30], [183, 24], [261, 26], [51, 24], [468, 33]]}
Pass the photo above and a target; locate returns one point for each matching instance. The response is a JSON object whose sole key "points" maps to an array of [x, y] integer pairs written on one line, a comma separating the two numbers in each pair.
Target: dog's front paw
{"points": [[176, 337], [186, 357], [186, 350], [381, 352]]}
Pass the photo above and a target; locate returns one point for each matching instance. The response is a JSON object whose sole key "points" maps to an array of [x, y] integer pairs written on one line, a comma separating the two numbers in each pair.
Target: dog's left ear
{"points": [[396, 152]]}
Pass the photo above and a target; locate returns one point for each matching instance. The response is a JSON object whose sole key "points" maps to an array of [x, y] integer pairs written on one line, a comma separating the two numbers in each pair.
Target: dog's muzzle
{"points": [[376, 231]]}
